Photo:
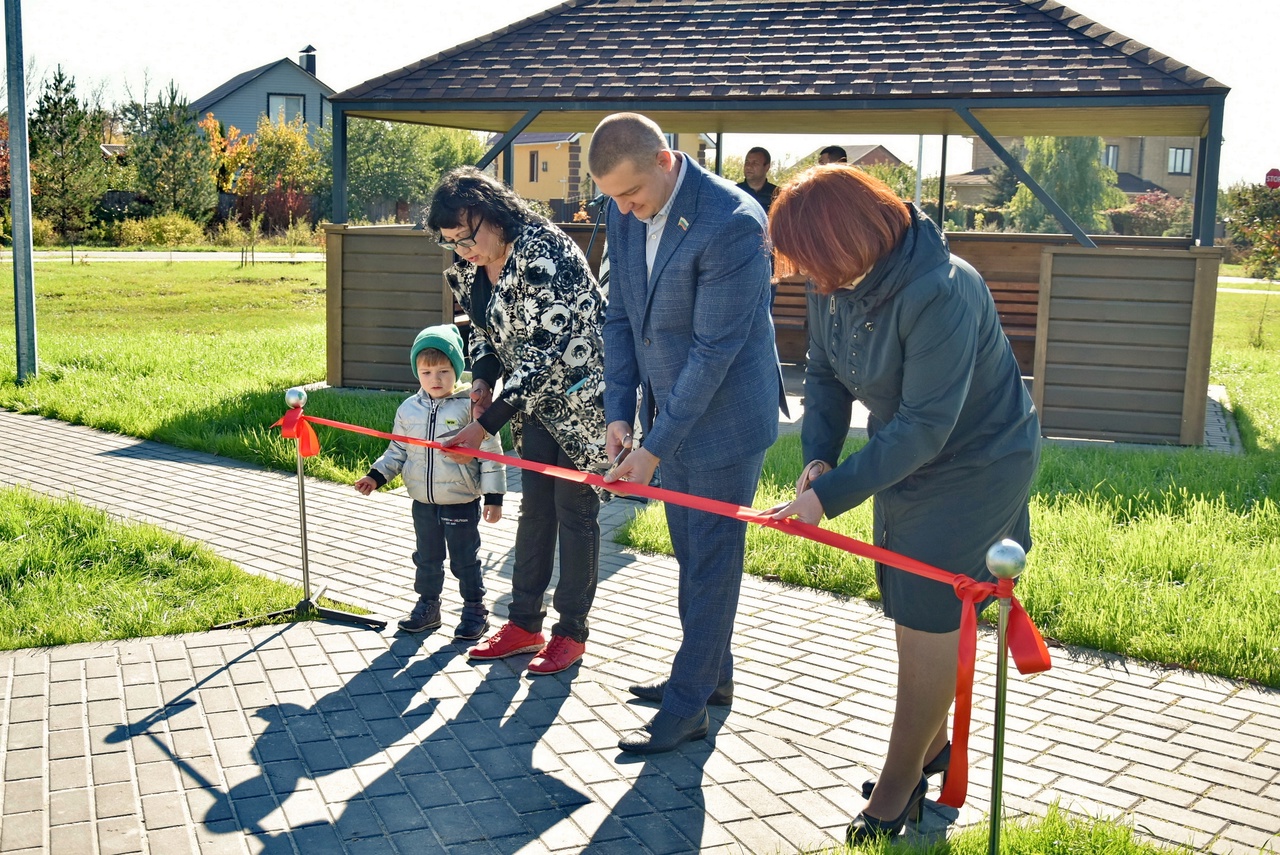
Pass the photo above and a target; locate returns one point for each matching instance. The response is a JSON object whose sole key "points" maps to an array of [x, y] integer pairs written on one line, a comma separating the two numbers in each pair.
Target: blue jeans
{"points": [[457, 529], [552, 508]]}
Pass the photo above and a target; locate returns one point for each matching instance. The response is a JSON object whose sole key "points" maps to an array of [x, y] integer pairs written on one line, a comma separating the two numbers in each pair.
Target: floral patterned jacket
{"points": [[543, 323]]}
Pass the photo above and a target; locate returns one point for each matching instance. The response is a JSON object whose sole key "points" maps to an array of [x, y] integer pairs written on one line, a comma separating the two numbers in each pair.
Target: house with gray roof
{"points": [[280, 89]]}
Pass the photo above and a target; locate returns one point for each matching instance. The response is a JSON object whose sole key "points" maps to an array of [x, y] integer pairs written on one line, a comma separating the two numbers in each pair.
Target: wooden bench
{"points": [[1017, 303], [790, 310]]}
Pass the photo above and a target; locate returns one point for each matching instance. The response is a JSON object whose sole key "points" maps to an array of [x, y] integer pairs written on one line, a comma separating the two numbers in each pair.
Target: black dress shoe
{"points": [[665, 733], [722, 696], [939, 765], [865, 828]]}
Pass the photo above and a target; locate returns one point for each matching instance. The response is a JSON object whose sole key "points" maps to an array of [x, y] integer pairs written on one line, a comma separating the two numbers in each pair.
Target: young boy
{"points": [[446, 495]]}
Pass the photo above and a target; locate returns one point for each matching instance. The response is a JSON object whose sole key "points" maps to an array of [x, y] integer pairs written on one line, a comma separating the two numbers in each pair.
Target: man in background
{"points": [[832, 154], [756, 170]]}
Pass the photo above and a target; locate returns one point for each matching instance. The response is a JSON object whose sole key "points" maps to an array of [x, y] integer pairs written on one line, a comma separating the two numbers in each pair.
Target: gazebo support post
{"points": [[508, 168], [339, 164], [1206, 201], [942, 186]]}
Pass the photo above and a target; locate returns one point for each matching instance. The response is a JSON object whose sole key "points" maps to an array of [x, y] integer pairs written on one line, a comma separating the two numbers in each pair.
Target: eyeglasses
{"points": [[463, 243]]}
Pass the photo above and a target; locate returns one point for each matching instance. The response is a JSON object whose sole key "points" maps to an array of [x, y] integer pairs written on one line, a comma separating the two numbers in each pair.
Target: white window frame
{"points": [[1111, 158], [1180, 157], [278, 102]]}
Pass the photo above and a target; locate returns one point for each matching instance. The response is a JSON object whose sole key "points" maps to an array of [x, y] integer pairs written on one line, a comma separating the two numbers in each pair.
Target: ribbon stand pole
{"points": [[1006, 560], [296, 399]]}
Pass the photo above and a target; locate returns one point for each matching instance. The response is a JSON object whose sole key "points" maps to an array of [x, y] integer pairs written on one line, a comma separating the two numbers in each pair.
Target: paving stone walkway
{"points": [[319, 737]]}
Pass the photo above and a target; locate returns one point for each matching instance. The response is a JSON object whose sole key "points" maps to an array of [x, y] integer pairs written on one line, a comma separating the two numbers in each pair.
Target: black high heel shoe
{"points": [[865, 827], [937, 766]]}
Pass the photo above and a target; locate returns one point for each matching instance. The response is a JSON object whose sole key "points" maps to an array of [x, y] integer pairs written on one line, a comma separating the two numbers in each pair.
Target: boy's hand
{"points": [[492, 513], [366, 485]]}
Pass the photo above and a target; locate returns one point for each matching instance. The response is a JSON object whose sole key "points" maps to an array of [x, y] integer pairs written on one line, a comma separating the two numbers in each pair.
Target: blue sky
{"points": [[115, 47]]}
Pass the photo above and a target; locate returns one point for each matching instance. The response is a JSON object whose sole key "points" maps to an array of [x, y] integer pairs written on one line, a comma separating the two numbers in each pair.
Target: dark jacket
{"points": [[696, 336], [919, 342]]}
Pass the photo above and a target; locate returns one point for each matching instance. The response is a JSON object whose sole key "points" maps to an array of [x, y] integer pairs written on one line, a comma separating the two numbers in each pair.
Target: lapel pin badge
{"points": [[683, 224]]}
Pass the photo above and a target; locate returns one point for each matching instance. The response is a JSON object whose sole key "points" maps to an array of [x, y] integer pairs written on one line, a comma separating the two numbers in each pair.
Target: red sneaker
{"points": [[560, 652], [507, 641]]}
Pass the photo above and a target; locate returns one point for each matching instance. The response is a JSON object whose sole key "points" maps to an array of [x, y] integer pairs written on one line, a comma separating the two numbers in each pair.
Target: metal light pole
{"points": [[1006, 560], [24, 287], [296, 399]]}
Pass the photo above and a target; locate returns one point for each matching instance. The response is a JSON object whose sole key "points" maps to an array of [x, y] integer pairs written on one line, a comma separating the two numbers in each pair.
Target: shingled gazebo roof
{"points": [[785, 66]]}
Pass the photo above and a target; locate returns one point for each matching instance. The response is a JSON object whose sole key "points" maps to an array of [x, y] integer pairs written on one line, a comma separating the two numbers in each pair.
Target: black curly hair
{"points": [[466, 193]]}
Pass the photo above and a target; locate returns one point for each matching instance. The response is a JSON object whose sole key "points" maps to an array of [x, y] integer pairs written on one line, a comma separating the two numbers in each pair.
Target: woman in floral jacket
{"points": [[536, 319]]}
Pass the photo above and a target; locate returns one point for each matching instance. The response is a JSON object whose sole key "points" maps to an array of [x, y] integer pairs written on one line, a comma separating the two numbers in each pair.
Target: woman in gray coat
{"points": [[911, 331]]}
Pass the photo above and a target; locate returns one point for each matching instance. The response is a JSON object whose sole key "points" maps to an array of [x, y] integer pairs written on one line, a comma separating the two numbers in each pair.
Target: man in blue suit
{"points": [[688, 324]]}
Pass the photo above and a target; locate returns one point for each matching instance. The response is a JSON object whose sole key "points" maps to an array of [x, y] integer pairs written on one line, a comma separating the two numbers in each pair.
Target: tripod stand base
{"points": [[308, 610]]}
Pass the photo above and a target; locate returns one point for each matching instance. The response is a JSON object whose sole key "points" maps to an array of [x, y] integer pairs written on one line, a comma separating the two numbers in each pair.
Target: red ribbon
{"points": [[293, 425], [1026, 646]]}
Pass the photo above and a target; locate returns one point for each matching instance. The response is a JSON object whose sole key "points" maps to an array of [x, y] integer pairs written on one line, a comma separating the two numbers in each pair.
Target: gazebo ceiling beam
{"points": [[508, 137], [1174, 115], [1039, 192]]}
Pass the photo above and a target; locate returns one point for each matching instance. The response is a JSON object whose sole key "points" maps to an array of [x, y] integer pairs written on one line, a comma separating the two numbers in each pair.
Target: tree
{"points": [[1252, 216], [1002, 184], [282, 154], [389, 162], [4, 156], [174, 163], [230, 151], [1070, 169], [68, 174], [278, 174]]}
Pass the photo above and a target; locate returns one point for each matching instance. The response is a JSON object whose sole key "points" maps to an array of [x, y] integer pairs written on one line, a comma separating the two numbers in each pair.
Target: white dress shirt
{"points": [[657, 224]]}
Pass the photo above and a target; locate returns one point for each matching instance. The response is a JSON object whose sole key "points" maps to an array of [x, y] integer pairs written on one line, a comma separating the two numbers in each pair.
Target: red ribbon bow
{"points": [[1027, 647]]}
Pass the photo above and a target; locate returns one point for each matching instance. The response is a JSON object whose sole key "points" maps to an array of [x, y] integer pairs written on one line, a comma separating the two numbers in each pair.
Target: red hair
{"points": [[832, 223]]}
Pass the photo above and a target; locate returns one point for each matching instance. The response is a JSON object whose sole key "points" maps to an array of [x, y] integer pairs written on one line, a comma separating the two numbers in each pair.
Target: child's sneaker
{"points": [[425, 615], [475, 620], [508, 641]]}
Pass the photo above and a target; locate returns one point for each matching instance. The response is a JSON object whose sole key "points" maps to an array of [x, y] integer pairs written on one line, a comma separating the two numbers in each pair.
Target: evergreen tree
{"points": [[175, 166], [1002, 184], [68, 173], [1070, 169]]}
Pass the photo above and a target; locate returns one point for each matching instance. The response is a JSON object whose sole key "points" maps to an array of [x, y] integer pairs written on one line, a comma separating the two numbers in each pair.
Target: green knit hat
{"points": [[444, 338]]}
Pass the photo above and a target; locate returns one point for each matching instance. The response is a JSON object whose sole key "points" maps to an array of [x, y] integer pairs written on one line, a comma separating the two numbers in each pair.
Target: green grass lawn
{"points": [[193, 354], [274, 245], [1056, 833], [1164, 554], [1170, 555], [71, 574], [1234, 270]]}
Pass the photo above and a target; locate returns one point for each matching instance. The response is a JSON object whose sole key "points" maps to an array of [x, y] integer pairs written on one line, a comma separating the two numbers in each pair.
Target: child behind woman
{"points": [[446, 495]]}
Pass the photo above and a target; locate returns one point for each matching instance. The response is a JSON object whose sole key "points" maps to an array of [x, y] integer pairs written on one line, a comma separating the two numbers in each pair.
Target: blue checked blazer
{"points": [[696, 336]]}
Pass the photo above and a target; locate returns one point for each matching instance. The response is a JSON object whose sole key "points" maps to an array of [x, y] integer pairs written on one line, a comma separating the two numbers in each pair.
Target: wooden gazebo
{"points": [[1117, 338]]}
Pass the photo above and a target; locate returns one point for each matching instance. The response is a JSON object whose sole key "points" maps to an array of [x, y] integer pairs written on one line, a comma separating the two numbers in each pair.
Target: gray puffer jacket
{"points": [[429, 476]]}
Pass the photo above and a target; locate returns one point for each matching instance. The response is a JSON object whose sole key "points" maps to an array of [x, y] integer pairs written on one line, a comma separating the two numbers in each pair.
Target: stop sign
{"points": [[1273, 178]]}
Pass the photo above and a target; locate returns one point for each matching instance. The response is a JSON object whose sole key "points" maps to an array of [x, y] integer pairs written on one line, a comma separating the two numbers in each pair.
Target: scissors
{"points": [[627, 444]]}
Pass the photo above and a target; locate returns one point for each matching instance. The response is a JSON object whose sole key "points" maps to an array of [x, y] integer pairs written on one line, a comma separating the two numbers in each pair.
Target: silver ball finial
{"points": [[295, 398], [1006, 559]]}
